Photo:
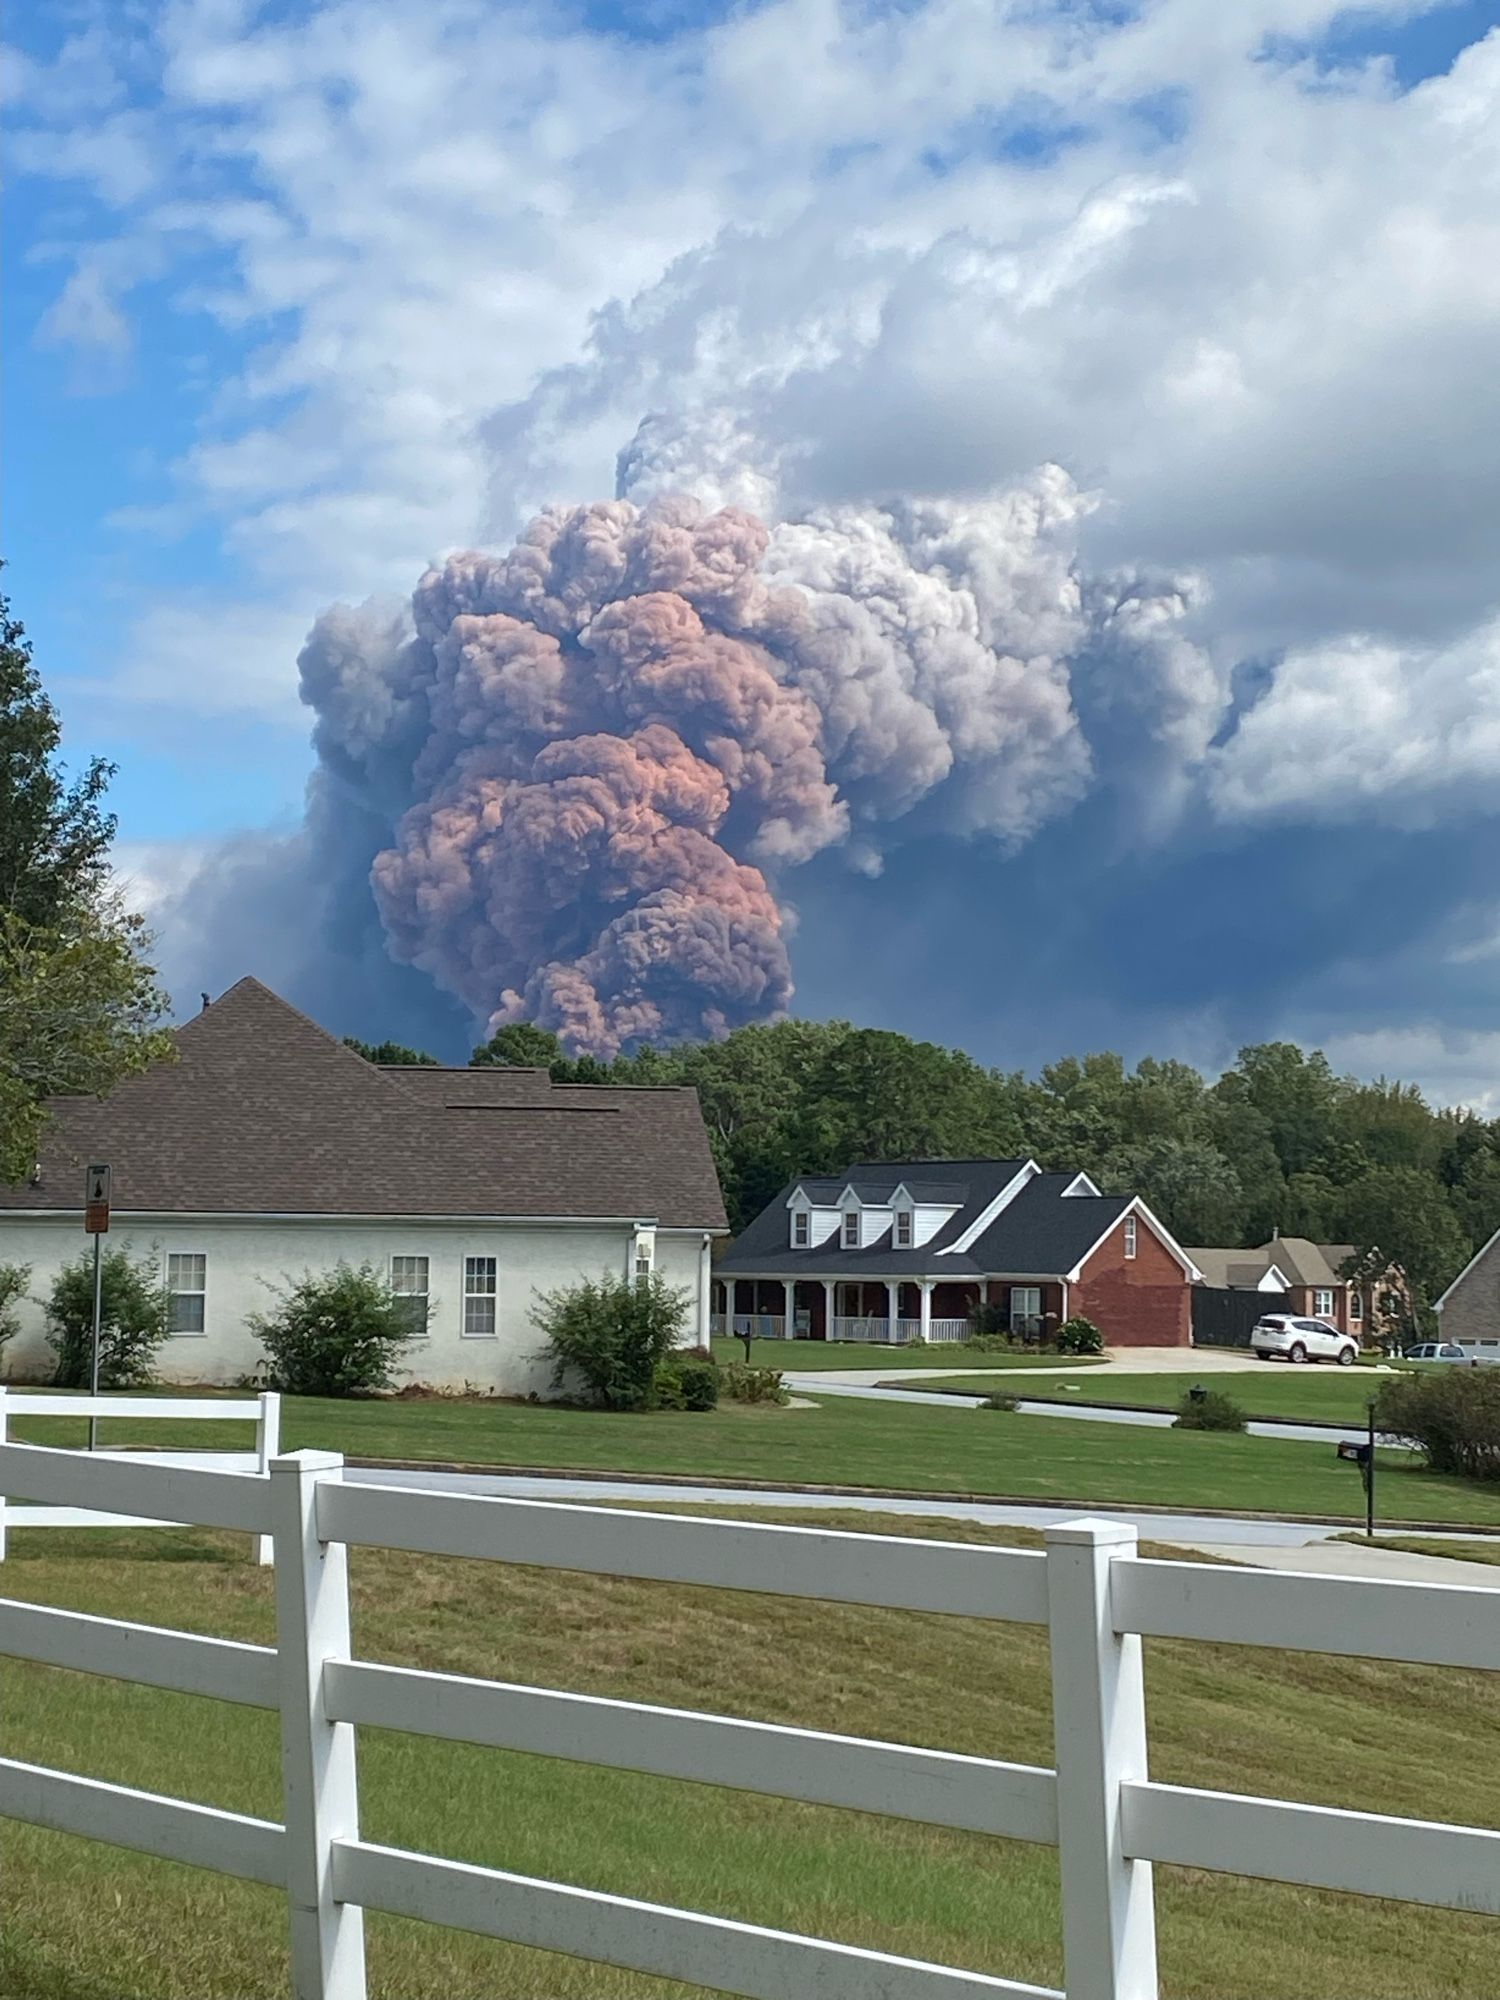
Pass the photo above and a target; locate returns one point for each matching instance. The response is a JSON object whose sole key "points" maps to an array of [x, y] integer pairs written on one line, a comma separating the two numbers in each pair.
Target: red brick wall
{"points": [[1140, 1301], [1302, 1297]]}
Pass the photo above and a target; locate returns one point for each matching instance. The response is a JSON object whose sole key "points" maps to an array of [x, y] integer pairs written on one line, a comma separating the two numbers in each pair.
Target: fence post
{"points": [[1099, 1726], [4, 1439], [319, 1792], [267, 1447]]}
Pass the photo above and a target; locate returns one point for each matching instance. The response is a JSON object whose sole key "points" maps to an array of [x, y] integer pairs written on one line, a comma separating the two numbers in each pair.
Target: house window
{"points": [[1130, 1236], [1356, 1303], [851, 1230], [479, 1298], [1323, 1304], [409, 1283], [187, 1287], [1026, 1310], [801, 1229], [643, 1250], [903, 1229]]}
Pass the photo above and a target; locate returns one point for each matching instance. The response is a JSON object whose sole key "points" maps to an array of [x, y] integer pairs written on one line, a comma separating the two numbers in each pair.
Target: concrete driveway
{"points": [[1199, 1362]]}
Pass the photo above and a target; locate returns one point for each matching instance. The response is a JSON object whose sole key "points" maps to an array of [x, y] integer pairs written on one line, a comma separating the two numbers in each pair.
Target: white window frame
{"points": [[490, 1294], [1131, 1234], [904, 1232], [849, 1239], [180, 1291], [801, 1229], [1320, 1310], [422, 1332]]}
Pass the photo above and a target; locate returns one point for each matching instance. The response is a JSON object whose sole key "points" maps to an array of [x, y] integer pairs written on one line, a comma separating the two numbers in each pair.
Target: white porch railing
{"points": [[760, 1326], [863, 1326], [1109, 1820], [264, 1411], [949, 1329]]}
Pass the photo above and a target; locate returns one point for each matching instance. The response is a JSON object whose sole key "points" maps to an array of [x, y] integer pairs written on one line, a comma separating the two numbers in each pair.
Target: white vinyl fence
{"points": [[264, 1411], [1108, 1819]]}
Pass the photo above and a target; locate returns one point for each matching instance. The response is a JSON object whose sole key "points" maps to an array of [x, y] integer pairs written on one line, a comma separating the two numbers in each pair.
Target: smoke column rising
{"points": [[600, 754]]}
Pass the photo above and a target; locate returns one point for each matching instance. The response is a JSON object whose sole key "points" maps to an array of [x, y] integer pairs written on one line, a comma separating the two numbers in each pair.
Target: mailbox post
{"points": [[1363, 1455]]}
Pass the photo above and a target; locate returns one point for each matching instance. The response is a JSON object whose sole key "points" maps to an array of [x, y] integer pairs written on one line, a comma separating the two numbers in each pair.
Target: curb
{"points": [[595, 1474]]}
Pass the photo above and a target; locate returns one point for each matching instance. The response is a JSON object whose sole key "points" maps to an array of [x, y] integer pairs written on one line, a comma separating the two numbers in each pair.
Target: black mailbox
{"points": [[1358, 1454]]}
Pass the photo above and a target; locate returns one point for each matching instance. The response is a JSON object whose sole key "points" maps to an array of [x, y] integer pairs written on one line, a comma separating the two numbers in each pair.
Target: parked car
{"points": [[1441, 1350], [1282, 1337]]}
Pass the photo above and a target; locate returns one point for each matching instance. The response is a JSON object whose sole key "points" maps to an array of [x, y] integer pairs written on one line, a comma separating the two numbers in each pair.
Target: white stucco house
{"points": [[269, 1149]]}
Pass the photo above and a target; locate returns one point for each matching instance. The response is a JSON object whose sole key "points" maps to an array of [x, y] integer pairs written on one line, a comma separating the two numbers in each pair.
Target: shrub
{"points": [[612, 1332], [1079, 1336], [1001, 1399], [989, 1326], [338, 1332], [132, 1320], [990, 1343], [1452, 1415], [686, 1382], [753, 1385], [1212, 1411], [14, 1278]]}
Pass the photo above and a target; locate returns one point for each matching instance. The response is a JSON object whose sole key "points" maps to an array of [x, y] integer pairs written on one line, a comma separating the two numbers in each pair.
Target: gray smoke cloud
{"points": [[571, 782]]}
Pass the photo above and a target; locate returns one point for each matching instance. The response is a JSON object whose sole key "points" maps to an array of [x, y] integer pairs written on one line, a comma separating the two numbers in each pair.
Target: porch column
{"points": [[706, 1293], [926, 1288], [830, 1300], [892, 1306], [789, 1289]]}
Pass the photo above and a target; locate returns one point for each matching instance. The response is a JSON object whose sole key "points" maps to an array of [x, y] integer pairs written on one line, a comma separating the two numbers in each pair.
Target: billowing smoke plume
{"points": [[599, 755]]}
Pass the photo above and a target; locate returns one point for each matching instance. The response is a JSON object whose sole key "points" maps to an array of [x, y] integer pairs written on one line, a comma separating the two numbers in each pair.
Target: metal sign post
{"points": [[96, 1224]]}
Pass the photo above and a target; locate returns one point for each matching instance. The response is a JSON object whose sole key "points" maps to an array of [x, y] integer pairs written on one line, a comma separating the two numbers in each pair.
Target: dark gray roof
{"points": [[264, 1113], [1041, 1232]]}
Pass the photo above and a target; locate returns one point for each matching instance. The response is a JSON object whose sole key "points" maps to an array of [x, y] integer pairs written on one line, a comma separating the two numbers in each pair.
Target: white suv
{"points": [[1280, 1337]]}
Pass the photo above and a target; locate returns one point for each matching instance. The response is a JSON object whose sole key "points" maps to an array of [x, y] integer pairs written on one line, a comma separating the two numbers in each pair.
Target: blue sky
{"points": [[294, 309]]}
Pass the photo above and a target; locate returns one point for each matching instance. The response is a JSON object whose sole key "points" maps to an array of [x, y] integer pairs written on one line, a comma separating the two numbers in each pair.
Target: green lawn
{"points": [[1417, 1545], [85, 1922], [1274, 1389], [799, 1356], [864, 1443]]}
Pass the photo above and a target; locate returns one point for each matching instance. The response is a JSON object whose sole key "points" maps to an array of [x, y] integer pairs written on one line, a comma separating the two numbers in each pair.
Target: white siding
{"points": [[241, 1256], [928, 1219]]}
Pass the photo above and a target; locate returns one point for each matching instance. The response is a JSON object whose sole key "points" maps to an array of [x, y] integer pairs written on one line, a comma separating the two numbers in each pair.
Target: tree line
{"points": [[1279, 1143]]}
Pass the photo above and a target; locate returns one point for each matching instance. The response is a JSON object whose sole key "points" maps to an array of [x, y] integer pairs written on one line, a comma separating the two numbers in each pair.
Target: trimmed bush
{"points": [[1079, 1336], [1451, 1415], [686, 1382], [611, 1334], [1212, 1411], [1001, 1399], [132, 1320], [337, 1333], [753, 1385], [14, 1278]]}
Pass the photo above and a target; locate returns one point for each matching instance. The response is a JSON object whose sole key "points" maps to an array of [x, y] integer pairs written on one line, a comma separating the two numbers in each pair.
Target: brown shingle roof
{"points": [[265, 1114]]}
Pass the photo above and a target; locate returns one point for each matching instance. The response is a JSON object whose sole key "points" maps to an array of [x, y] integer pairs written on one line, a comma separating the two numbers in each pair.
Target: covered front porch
{"points": [[886, 1311]]}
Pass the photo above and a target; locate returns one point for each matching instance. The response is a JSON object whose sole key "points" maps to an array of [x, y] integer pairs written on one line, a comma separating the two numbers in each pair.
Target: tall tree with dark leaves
{"points": [[79, 1005]]}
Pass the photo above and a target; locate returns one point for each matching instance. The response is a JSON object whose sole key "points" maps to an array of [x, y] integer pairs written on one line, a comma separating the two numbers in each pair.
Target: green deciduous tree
{"points": [[393, 1053], [521, 1045], [132, 1320]]}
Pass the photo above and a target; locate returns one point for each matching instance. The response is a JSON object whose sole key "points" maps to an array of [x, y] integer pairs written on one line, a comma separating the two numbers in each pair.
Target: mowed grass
{"points": [[1327, 1395], [848, 1442], [85, 1922], [795, 1357]]}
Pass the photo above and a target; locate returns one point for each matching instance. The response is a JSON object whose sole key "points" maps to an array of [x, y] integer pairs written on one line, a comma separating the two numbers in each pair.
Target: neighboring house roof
{"points": [[1235, 1270], [1303, 1261], [1481, 1256], [1041, 1232], [265, 1114]]}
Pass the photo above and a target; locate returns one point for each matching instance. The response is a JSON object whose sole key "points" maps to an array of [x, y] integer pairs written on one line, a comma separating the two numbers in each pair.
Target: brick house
{"points": [[1470, 1308], [1299, 1276], [906, 1250]]}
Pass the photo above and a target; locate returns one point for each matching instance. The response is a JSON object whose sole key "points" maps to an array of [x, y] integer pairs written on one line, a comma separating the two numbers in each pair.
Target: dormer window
{"points": [[903, 1229], [801, 1229], [851, 1229]]}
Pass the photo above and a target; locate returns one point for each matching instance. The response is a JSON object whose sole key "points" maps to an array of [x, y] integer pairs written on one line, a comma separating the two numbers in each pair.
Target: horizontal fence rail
{"points": [[648, 1937], [264, 1411], [965, 1579], [937, 1787], [1110, 1822]]}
